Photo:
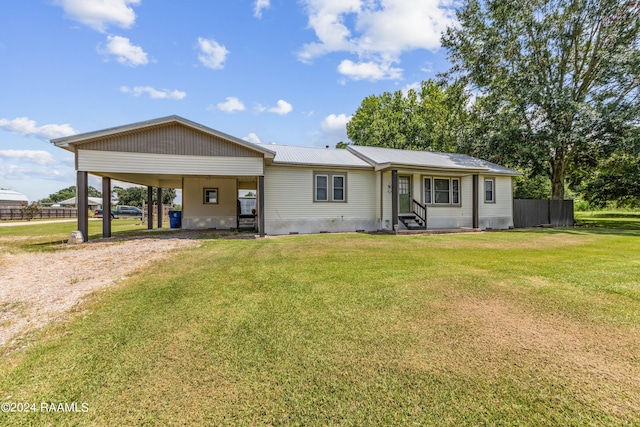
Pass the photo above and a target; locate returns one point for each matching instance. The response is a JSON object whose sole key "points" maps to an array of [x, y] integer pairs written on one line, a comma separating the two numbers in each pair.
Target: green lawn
{"points": [[609, 219], [45, 235], [526, 327]]}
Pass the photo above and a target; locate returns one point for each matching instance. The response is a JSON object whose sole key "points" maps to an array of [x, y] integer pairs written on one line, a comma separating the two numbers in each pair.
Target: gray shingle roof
{"points": [[427, 159], [286, 154]]}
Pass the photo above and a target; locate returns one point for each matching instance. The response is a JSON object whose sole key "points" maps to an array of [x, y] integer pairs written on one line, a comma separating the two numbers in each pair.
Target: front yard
{"points": [[535, 327]]}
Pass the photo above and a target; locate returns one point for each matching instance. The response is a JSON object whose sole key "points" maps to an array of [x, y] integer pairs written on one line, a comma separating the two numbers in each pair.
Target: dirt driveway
{"points": [[37, 288]]}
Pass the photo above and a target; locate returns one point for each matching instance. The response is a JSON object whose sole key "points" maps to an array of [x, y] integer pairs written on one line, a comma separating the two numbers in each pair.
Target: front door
{"points": [[404, 194]]}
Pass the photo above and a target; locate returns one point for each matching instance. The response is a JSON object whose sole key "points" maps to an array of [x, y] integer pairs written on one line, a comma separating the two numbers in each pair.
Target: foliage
{"points": [[67, 193], [31, 211], [617, 179], [531, 187], [341, 145], [135, 196], [431, 118], [557, 79]]}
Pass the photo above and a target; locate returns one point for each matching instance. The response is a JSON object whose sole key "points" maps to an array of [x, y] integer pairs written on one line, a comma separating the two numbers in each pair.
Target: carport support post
{"points": [[394, 200], [149, 208], [106, 207], [474, 211], [261, 205], [82, 202], [160, 208]]}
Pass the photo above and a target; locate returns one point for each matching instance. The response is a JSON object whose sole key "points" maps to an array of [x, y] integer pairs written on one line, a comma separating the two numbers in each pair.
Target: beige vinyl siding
{"points": [[438, 217], [197, 214], [451, 216], [149, 163], [386, 201], [500, 213], [378, 197], [289, 205]]}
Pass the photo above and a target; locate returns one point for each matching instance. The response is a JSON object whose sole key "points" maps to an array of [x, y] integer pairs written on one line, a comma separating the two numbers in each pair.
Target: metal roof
{"points": [[386, 157], [92, 201], [14, 196], [287, 154]]}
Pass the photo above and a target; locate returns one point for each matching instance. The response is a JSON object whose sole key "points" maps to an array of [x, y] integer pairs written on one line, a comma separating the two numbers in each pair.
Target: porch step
{"points": [[411, 222]]}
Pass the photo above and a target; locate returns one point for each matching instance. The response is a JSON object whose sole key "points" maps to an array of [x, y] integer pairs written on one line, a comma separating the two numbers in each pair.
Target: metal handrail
{"points": [[420, 211]]}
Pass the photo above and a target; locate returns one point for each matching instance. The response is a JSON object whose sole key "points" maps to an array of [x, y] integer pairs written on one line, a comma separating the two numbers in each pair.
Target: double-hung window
{"points": [[329, 187], [489, 190], [322, 188], [338, 188], [441, 191]]}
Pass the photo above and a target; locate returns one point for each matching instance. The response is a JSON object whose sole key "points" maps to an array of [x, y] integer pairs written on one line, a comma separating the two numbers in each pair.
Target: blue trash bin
{"points": [[175, 219]]}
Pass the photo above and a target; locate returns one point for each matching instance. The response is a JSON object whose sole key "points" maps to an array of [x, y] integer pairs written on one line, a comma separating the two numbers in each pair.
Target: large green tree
{"points": [[557, 79], [67, 193], [135, 196], [433, 118]]}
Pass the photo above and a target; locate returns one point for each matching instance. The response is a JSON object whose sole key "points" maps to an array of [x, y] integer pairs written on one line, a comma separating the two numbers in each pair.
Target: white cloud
{"points": [[100, 14], [427, 67], [252, 137], [378, 32], [415, 86], [39, 157], [283, 108], [327, 17], [369, 70], [259, 6], [153, 93], [231, 104], [27, 127], [335, 125], [125, 52], [212, 54]]}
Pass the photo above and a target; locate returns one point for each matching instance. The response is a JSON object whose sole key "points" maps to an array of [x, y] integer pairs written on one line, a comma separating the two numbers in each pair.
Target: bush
{"points": [[31, 211]]}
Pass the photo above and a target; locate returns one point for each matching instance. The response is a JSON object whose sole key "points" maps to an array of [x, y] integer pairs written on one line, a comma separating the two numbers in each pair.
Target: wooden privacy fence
{"points": [[19, 213], [535, 213]]}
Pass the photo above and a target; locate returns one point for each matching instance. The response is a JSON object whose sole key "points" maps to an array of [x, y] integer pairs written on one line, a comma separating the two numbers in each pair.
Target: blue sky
{"points": [[270, 71]]}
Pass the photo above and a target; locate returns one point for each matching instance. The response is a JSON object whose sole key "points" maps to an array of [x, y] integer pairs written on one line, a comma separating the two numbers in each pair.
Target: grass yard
{"points": [[527, 327], [607, 220], [47, 236]]}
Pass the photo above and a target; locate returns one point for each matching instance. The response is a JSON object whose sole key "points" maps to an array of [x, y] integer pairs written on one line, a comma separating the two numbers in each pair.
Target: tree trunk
{"points": [[558, 174]]}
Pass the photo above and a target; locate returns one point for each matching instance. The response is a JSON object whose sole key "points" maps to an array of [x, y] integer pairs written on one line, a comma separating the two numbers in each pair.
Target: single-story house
{"points": [[299, 189], [10, 198]]}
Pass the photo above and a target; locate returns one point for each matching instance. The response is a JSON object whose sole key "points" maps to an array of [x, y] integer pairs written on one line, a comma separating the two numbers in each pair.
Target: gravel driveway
{"points": [[39, 288]]}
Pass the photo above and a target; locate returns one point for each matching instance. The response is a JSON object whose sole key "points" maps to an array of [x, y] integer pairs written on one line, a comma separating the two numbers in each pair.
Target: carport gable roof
{"points": [[70, 142]]}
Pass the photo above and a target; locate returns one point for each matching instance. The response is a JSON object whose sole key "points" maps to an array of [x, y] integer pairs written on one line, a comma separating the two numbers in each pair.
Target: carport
{"points": [[171, 152]]}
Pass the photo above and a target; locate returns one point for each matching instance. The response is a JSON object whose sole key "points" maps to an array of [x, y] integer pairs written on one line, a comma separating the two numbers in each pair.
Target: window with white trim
{"points": [[322, 188], [441, 191], [338, 188], [489, 190], [329, 187]]}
